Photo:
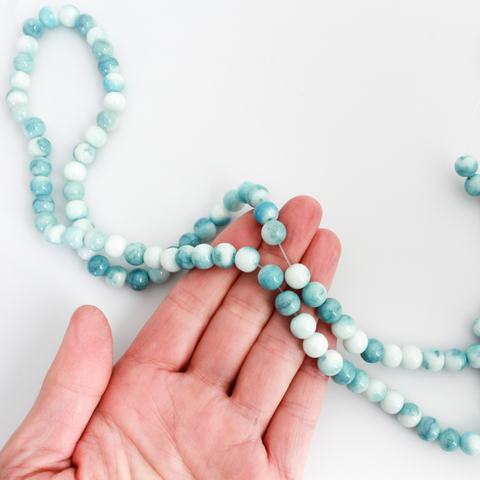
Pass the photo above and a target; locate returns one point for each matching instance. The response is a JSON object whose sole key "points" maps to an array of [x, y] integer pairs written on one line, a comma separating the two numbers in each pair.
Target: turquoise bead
{"points": [[473, 355], [40, 186], [137, 279], [274, 232], [113, 82], [205, 229], [108, 65], [34, 127], [476, 327], [466, 166], [95, 239], [42, 220], [158, 275], [43, 203], [16, 96], [330, 311], [54, 233], [23, 63], [189, 239], [33, 27], [433, 359], [40, 166], [287, 303], [21, 112], [410, 415], [265, 212], [360, 382], [242, 191], [223, 255], [108, 120], [472, 185], [449, 439], [84, 23], [73, 190], [73, 237], [256, 194], [270, 277], [374, 351], [98, 266], [183, 257], [49, 17], [314, 294], [84, 153], [428, 429], [134, 253], [41, 146], [470, 443], [102, 48], [346, 375], [116, 276], [232, 202], [202, 256], [455, 360], [220, 215], [331, 363]]}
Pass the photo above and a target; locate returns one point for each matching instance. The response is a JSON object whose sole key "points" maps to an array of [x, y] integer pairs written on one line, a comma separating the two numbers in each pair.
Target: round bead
{"points": [[96, 136], [39, 147], [158, 275], [102, 48], [76, 209], [42, 220], [455, 360], [84, 223], [242, 191], [73, 237], [75, 171], [392, 356], [393, 402], [134, 253], [374, 351], [54, 233], [84, 23], [344, 328], [202, 256], [183, 257], [412, 357], [21, 112], [49, 17], [167, 259], [205, 229], [85, 253], [115, 246], [68, 15], [94, 34], [346, 374], [231, 201], [274, 232], [357, 343], [473, 355], [116, 276], [247, 259], [138, 279], [40, 166], [476, 327], [470, 443], [84, 153], [73, 190], [256, 194], [433, 360], [409, 416], [376, 390], [115, 101], [33, 27], [223, 255], [220, 215], [108, 120], [43, 203], [331, 363], [316, 345], [16, 96], [360, 382], [472, 185], [40, 186], [330, 311], [189, 239], [34, 127], [264, 212], [287, 303], [466, 166], [113, 82], [98, 266], [270, 277], [297, 276], [108, 65], [151, 257], [95, 240], [20, 80], [23, 63], [314, 294], [428, 429], [303, 325], [449, 440], [27, 44]]}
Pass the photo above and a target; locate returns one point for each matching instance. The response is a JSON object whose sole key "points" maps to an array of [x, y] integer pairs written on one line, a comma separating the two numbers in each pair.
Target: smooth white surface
{"points": [[363, 105]]}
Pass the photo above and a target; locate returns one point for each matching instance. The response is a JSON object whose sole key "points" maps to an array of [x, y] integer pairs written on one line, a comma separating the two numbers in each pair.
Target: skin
{"points": [[214, 386]]}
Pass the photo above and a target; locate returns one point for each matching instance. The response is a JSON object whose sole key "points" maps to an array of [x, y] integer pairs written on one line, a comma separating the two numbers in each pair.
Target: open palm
{"points": [[214, 386]]}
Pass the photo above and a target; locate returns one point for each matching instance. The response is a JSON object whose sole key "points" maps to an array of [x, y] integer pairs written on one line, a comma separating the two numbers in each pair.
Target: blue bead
{"points": [[223, 255], [346, 375], [95, 239], [73, 237], [108, 65], [158, 275], [23, 63], [205, 229], [137, 279], [34, 127], [202, 256], [455, 360], [287, 303], [43, 203], [84, 23], [183, 257], [42, 220], [49, 17], [359, 382], [314, 294], [73, 191], [256, 194], [84, 153], [374, 352], [98, 266], [330, 311], [113, 83], [449, 439], [466, 166], [264, 212], [33, 27], [40, 166], [472, 185], [107, 119], [428, 429], [43, 145], [270, 277], [102, 48], [189, 239], [134, 253], [116, 276], [473, 355], [433, 359], [232, 202], [274, 232], [21, 112], [40, 186], [242, 191]]}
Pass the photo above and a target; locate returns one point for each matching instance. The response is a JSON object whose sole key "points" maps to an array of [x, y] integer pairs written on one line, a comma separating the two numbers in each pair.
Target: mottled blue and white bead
{"points": [[40, 166], [346, 374], [270, 277], [98, 266], [138, 279], [314, 294], [116, 276], [357, 343], [49, 17], [433, 360], [183, 257], [95, 240], [256, 194], [409, 416], [470, 443], [73, 237], [189, 239], [374, 351], [158, 275], [303, 325], [85, 253], [73, 190], [84, 223], [33, 27], [392, 356], [232, 202], [68, 15], [34, 127], [27, 44], [108, 65], [24, 63], [75, 171], [20, 80], [96, 136], [476, 327], [42, 220], [274, 232], [223, 255], [472, 185], [428, 429], [473, 355], [287, 303], [167, 259], [202, 256], [94, 34], [220, 215], [151, 257], [40, 185], [113, 82], [466, 166], [344, 327], [412, 357], [84, 153], [102, 48], [242, 191], [330, 363], [376, 390], [115, 101], [360, 382], [43, 203], [108, 120], [205, 229], [297, 276], [316, 345], [16, 96], [21, 112], [134, 253], [449, 440], [392, 402], [84, 23], [264, 212], [76, 209], [455, 360], [330, 311], [54, 233], [247, 259]]}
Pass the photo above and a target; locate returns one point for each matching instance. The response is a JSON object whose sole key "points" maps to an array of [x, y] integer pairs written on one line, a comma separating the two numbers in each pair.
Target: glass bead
{"points": [[16, 96], [455, 360], [202, 256], [49, 17], [108, 120], [256, 194], [220, 215], [21, 112], [274, 232], [466, 166], [472, 185], [331, 363], [433, 360], [470, 443], [40, 166], [449, 440], [189, 239], [357, 343], [134, 253], [102, 48], [374, 351], [116, 276], [115, 101], [344, 327], [412, 357], [40, 185], [96, 136], [23, 63], [43, 203], [84, 23], [33, 27], [409, 416], [473, 355], [297, 276], [303, 325], [75, 171], [39, 147], [287, 303], [393, 402], [330, 311], [113, 82], [428, 429], [54, 233], [76, 209], [231, 201], [151, 257], [95, 240], [360, 382], [84, 223], [85, 253], [27, 44], [392, 356], [108, 65], [115, 246], [98, 266], [270, 277], [158, 275], [242, 191], [73, 237], [223, 255], [68, 15], [138, 279], [314, 294], [264, 212], [34, 127], [167, 259], [42, 220], [376, 390], [94, 34], [183, 257], [84, 153], [316, 345], [205, 229], [346, 374], [247, 259], [73, 190], [20, 80]]}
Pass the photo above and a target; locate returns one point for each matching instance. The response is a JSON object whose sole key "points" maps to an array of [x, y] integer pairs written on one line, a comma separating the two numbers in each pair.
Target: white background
{"points": [[363, 105]]}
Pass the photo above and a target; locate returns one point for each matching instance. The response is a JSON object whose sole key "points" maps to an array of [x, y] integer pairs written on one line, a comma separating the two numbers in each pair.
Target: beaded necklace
{"points": [[193, 251]]}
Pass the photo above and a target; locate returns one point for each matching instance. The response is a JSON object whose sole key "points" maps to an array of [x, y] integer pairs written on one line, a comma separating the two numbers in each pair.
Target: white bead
{"points": [[246, 259], [16, 98], [303, 325], [117, 280], [75, 171], [76, 209], [375, 392], [94, 34], [68, 15], [412, 357], [315, 345], [85, 254], [54, 233], [408, 420], [344, 328], [357, 343], [393, 402], [115, 101], [151, 257], [84, 223], [392, 356], [167, 259], [20, 80], [115, 246], [27, 44], [96, 136], [297, 276]]}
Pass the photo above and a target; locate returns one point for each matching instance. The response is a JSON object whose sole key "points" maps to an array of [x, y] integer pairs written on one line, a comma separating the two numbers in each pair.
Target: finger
{"points": [[70, 392], [247, 307], [277, 355]]}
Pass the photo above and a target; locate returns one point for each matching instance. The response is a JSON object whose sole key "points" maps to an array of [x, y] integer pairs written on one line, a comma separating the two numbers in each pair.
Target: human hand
{"points": [[214, 386]]}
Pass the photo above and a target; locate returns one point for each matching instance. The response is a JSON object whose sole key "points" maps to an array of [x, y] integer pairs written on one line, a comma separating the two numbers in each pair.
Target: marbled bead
{"points": [[473, 355], [33, 27], [113, 82], [314, 294], [76, 209], [73, 237], [108, 65], [167, 259], [68, 15], [223, 255], [316, 345], [256, 194], [84, 223], [331, 363], [116, 276], [374, 351], [346, 374], [42, 220], [330, 311], [360, 382], [270, 277], [73, 190], [287, 303], [49, 17], [455, 360], [247, 259], [466, 166], [220, 215], [40, 166], [39, 147], [84, 153], [297, 276], [183, 257], [94, 34], [43, 203], [96, 136], [357, 343], [344, 327], [102, 48], [158, 275], [34, 127], [27, 44], [115, 101], [115, 246], [98, 265], [449, 440], [264, 212], [16, 96], [376, 390], [428, 429], [470, 443], [84, 23], [476, 327], [231, 201], [242, 191], [151, 257], [472, 185], [95, 240], [40, 185], [85, 253], [392, 356], [108, 120], [23, 63], [412, 357], [134, 253], [21, 112], [138, 279], [433, 360], [20, 80], [205, 229], [274, 232], [303, 325], [393, 402], [409, 416], [189, 239], [202, 256], [54, 233]]}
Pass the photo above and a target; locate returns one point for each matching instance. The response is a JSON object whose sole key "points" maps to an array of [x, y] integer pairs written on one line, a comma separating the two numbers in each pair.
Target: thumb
{"points": [[72, 389]]}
